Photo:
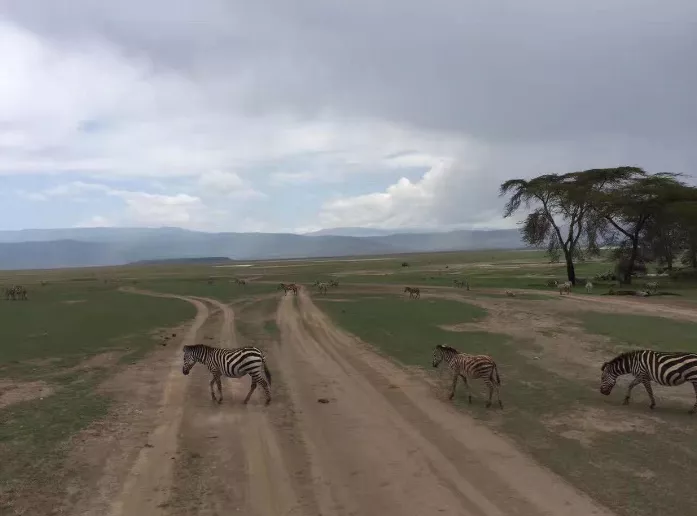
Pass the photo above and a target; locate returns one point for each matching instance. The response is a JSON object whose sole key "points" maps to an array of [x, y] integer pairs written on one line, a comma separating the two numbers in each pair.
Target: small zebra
{"points": [[461, 283], [322, 287], [565, 287], [333, 283], [413, 292], [510, 293], [286, 287], [553, 283], [665, 368], [240, 281], [589, 287], [233, 363], [472, 366], [652, 286]]}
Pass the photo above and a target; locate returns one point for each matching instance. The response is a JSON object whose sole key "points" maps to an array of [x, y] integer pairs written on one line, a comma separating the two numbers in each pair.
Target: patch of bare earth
{"points": [[73, 301], [587, 424], [18, 392]]}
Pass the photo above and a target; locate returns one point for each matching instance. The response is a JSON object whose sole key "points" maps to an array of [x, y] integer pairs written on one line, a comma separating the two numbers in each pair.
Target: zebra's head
{"points": [[440, 352], [610, 372], [189, 359]]}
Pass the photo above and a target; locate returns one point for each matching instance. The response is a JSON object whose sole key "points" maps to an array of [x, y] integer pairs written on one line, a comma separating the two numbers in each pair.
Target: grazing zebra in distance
{"points": [[333, 283], [510, 293], [233, 363], [240, 281], [322, 287], [652, 286], [589, 287], [288, 286], [472, 366], [565, 287], [664, 368], [16, 292], [461, 283], [413, 292], [553, 283]]}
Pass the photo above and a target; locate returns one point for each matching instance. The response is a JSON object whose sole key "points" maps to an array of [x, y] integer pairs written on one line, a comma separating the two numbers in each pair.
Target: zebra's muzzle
{"points": [[185, 371]]}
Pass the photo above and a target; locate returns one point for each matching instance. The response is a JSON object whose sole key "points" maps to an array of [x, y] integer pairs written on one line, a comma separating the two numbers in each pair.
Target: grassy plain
{"points": [[548, 348]]}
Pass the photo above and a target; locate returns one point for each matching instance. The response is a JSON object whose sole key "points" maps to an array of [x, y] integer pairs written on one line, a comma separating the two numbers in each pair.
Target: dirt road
{"points": [[383, 444]]}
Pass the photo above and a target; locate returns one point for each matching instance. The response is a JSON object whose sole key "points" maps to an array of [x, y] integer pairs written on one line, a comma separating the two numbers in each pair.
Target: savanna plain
{"points": [[96, 417]]}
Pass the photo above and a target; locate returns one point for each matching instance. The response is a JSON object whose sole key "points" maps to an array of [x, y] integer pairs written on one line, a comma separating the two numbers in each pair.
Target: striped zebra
{"points": [[16, 292], [240, 281], [333, 283], [461, 283], [565, 287], [589, 287], [652, 286], [322, 287], [233, 363], [553, 283], [664, 368], [286, 287], [413, 292], [472, 366]]}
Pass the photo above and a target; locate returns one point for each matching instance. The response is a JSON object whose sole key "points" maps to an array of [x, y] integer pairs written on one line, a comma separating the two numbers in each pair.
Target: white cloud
{"points": [[229, 184]]}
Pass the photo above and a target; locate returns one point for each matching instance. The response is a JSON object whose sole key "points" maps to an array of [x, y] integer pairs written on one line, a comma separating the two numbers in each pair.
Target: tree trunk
{"points": [[570, 270], [632, 259]]}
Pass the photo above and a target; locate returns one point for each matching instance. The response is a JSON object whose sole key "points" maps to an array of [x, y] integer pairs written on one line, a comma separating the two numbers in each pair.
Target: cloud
{"points": [[416, 121]]}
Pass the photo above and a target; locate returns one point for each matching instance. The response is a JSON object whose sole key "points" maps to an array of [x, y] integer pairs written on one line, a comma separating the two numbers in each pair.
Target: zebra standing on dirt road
{"points": [[665, 368], [461, 283], [233, 363], [287, 287], [565, 287], [413, 292], [472, 366]]}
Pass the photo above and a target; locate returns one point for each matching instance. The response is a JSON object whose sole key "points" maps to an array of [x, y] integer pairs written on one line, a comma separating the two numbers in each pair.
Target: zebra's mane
{"points": [[448, 348], [619, 358]]}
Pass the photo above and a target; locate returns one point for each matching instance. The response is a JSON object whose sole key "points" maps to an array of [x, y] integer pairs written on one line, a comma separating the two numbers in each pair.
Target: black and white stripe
{"points": [[664, 368], [233, 363]]}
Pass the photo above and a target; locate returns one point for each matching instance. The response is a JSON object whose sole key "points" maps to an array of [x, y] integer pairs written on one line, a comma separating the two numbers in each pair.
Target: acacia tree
{"points": [[631, 204], [559, 215]]}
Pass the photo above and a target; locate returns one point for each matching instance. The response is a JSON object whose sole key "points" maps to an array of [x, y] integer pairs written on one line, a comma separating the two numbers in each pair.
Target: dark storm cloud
{"points": [[499, 71]]}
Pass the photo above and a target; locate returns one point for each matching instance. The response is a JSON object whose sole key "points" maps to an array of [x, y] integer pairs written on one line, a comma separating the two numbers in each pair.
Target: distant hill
{"points": [[81, 247], [205, 260]]}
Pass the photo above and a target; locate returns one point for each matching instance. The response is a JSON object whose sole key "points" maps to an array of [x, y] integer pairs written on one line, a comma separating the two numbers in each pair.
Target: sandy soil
{"points": [[379, 443]]}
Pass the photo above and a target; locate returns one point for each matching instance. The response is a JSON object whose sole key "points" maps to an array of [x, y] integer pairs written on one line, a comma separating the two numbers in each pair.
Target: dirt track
{"points": [[383, 445]]}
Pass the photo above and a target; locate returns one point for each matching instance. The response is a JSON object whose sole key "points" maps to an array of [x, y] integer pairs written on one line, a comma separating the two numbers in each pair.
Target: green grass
{"points": [[637, 331], [45, 335], [534, 397]]}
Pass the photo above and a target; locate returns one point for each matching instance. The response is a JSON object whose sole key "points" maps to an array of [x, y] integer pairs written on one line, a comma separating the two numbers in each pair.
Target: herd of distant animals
{"points": [[646, 366]]}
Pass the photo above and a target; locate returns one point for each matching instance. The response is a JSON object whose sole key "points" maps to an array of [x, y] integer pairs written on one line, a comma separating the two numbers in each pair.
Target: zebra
{"points": [[565, 287], [510, 293], [16, 292], [413, 292], [461, 283], [240, 281], [322, 287], [553, 283], [652, 286], [589, 287], [665, 368], [233, 363], [333, 283], [288, 286], [473, 366]]}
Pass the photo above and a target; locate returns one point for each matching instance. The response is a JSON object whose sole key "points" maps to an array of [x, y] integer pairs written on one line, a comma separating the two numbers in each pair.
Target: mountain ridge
{"points": [[84, 247]]}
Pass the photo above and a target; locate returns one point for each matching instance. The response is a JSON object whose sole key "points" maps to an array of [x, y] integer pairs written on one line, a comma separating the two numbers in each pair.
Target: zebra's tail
{"points": [[268, 373], [494, 376]]}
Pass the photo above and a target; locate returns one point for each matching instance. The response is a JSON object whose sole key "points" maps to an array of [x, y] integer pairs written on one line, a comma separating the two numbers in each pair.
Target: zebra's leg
{"points": [[467, 386], [212, 391], [452, 390], [220, 389], [267, 391], [490, 386], [252, 388], [694, 407], [634, 383], [649, 391]]}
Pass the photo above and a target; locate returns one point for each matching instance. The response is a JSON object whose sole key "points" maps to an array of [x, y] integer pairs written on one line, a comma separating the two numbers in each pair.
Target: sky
{"points": [[277, 115]]}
